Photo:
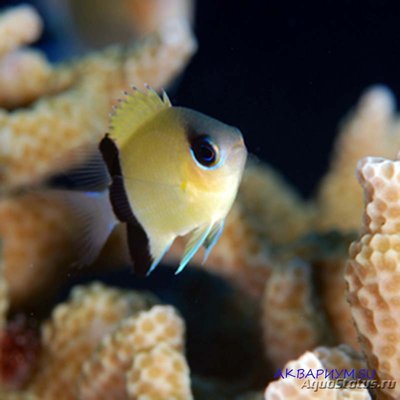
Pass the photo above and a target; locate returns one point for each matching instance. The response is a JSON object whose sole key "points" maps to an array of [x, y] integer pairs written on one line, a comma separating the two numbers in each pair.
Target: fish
{"points": [[172, 172]]}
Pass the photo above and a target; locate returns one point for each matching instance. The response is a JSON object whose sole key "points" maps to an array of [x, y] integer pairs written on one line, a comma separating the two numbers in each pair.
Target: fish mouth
{"points": [[239, 147]]}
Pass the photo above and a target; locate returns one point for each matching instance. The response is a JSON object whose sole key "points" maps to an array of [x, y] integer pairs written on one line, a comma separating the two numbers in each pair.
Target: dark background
{"points": [[286, 72]]}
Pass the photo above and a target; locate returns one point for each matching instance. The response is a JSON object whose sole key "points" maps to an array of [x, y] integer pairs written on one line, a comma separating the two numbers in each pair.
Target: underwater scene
{"points": [[199, 200]]}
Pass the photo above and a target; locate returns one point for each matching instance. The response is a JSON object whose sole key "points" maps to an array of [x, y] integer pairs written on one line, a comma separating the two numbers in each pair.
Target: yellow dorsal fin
{"points": [[134, 110]]}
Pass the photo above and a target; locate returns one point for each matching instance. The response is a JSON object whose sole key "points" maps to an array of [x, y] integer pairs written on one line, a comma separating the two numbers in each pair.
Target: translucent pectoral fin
{"points": [[196, 240], [159, 246], [212, 238], [93, 220]]}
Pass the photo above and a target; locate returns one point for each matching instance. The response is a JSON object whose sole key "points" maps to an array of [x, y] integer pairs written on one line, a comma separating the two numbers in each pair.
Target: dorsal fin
{"points": [[134, 110]]}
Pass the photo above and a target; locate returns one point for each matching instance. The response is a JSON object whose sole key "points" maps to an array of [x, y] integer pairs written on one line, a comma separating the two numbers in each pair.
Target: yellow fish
{"points": [[173, 172]]}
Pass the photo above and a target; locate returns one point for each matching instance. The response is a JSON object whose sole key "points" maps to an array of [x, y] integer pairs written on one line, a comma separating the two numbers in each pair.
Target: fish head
{"points": [[216, 156]]}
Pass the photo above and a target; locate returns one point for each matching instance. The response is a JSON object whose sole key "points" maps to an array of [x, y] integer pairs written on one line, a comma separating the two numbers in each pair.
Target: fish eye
{"points": [[204, 151]]}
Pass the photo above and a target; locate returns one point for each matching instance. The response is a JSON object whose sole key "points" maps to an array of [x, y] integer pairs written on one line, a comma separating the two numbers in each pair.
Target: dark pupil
{"points": [[204, 151]]}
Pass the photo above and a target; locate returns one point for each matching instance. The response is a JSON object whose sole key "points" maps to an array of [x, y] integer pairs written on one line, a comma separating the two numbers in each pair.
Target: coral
{"points": [[158, 374], [18, 26], [373, 269], [340, 357], [143, 356], [281, 218], [292, 322], [24, 76], [24, 73], [102, 344], [40, 141], [332, 290], [74, 332], [372, 129], [322, 358], [327, 254]]}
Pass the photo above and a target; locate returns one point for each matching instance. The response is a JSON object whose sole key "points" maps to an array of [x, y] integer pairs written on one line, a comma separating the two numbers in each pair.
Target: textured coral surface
{"points": [[40, 141], [320, 359], [103, 344], [373, 269], [372, 129], [291, 321]]}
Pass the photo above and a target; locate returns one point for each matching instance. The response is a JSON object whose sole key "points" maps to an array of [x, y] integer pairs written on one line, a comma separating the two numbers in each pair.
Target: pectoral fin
{"points": [[212, 238], [196, 240]]}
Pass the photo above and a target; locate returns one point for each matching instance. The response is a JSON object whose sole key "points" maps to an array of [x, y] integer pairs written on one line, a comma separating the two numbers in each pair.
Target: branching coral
{"points": [[102, 344], [38, 142], [321, 359], [148, 349], [24, 76], [18, 26], [373, 270], [372, 129], [74, 332], [292, 322]]}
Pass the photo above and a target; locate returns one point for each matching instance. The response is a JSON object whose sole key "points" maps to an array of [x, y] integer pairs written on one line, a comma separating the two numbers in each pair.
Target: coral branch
{"points": [[39, 142], [373, 129], [291, 387], [373, 271], [18, 26]]}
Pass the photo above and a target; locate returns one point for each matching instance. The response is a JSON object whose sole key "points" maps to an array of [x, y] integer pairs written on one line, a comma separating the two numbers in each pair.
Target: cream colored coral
{"points": [[159, 374], [73, 333], [18, 26], [24, 76], [373, 129], [373, 271], [341, 357], [291, 321], [276, 211], [300, 388], [333, 291], [105, 373], [40, 141]]}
